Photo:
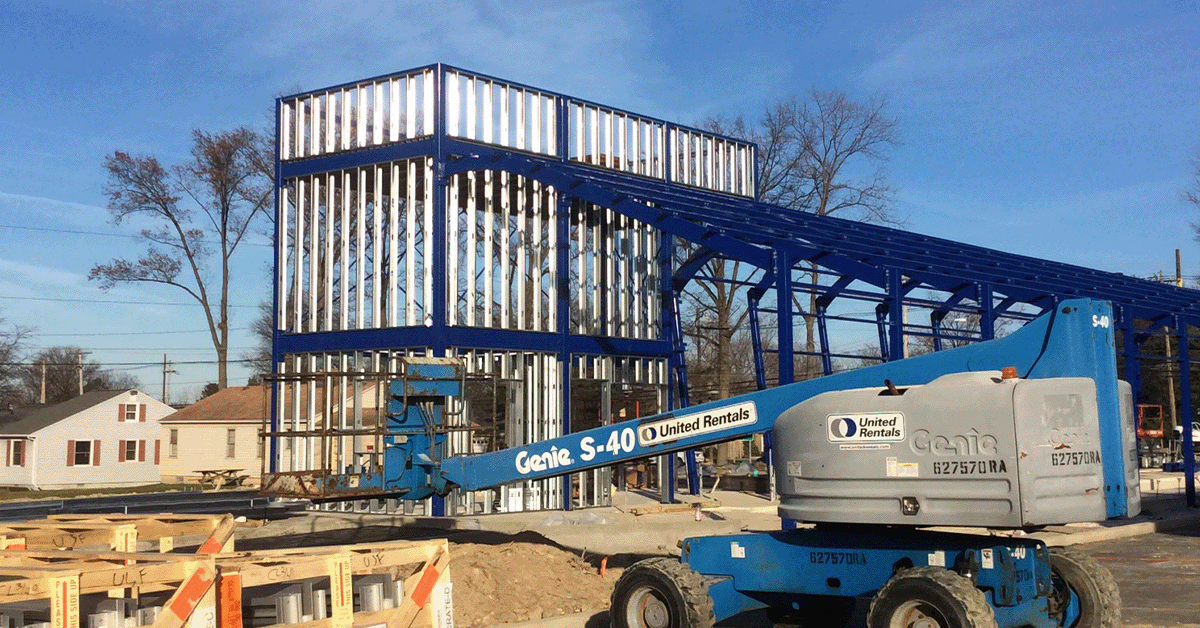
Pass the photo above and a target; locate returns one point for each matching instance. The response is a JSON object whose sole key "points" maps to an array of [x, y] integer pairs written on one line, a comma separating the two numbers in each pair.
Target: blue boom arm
{"points": [[1073, 340]]}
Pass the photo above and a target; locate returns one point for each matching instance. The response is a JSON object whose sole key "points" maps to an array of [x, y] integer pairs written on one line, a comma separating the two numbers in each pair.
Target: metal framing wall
{"points": [[440, 211], [382, 253]]}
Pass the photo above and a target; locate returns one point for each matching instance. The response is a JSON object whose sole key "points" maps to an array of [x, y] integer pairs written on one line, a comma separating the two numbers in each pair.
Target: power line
{"points": [[16, 298], [112, 235], [112, 364], [134, 333], [169, 349]]}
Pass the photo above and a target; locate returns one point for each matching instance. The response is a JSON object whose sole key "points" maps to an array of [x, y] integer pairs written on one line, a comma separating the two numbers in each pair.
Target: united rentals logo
{"points": [[686, 425], [876, 427]]}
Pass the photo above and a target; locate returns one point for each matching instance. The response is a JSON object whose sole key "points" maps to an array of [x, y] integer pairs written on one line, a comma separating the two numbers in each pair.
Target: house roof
{"points": [[29, 419], [238, 403]]}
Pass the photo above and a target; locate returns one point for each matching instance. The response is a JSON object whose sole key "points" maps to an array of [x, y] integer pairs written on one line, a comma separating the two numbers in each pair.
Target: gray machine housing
{"points": [[967, 449]]}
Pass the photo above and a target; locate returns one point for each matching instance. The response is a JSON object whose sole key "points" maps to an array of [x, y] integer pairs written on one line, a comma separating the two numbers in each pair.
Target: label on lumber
{"points": [[166, 544], [340, 592], [126, 539], [64, 601], [187, 597], [443, 605], [229, 603]]}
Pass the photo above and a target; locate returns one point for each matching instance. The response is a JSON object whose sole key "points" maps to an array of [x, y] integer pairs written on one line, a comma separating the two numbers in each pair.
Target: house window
{"points": [[261, 444], [18, 453], [131, 450], [230, 443], [131, 411], [83, 452], [173, 450]]}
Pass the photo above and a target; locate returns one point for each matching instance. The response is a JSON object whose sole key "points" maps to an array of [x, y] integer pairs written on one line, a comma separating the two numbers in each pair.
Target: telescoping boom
{"points": [[1075, 340]]}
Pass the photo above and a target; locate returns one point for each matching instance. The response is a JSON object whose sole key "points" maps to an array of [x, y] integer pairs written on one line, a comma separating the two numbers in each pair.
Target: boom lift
{"points": [[1029, 430]]}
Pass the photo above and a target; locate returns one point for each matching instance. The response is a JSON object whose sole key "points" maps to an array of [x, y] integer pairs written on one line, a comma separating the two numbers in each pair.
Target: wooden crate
{"points": [[119, 532], [206, 589]]}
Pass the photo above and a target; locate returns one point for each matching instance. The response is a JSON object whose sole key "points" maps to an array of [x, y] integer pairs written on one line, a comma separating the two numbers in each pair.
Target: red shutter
{"points": [[95, 453], [120, 412], [70, 453], [120, 451], [142, 413], [24, 452], [157, 447], [8, 445], [142, 449]]}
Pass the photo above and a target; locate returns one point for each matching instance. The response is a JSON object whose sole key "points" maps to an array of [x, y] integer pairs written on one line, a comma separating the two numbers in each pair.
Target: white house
{"points": [[100, 438], [220, 431]]}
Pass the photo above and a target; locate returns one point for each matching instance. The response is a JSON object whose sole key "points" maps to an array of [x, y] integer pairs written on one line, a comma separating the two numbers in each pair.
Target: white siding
{"points": [[12, 474], [99, 423], [202, 446]]}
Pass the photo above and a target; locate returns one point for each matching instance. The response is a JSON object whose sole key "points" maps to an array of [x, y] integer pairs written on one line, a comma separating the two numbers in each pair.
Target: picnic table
{"points": [[217, 478]]}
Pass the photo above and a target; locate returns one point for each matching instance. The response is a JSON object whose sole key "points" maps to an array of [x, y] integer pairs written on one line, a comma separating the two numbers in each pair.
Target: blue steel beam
{"points": [[939, 263], [945, 257], [477, 337]]}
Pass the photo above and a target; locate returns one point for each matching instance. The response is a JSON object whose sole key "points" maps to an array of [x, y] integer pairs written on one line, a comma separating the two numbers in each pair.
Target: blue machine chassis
{"points": [[752, 571]]}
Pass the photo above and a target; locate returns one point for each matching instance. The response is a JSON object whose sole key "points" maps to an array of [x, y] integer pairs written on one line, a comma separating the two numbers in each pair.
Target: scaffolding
{"points": [[442, 212]]}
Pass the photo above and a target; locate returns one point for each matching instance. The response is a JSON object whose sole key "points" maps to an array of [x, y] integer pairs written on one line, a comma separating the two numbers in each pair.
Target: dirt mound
{"points": [[512, 582]]}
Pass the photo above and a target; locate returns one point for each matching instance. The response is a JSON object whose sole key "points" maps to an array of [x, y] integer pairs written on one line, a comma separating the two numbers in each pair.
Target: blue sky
{"points": [[1059, 130]]}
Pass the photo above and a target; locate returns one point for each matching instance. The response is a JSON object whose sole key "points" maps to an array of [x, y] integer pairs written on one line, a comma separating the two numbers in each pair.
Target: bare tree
{"points": [[200, 211], [822, 154], [1192, 195], [12, 347], [60, 369], [262, 330]]}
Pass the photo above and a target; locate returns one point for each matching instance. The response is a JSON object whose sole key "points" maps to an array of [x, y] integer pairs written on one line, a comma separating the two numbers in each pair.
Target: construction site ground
{"points": [[557, 569]]}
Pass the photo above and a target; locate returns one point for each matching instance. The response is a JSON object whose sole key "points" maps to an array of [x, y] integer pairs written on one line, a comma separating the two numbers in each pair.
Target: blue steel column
{"points": [[987, 313], [563, 283], [896, 338], [668, 311], [437, 309], [1132, 347], [1185, 411], [787, 369], [823, 335], [783, 298]]}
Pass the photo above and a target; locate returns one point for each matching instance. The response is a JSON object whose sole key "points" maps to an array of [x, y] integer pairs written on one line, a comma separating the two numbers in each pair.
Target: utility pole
{"points": [[79, 354], [42, 398], [1178, 270], [1170, 361], [166, 380]]}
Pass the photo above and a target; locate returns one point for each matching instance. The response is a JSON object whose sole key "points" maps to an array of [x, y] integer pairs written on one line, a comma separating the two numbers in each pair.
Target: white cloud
{"points": [[35, 210], [17, 273], [595, 47], [946, 45]]}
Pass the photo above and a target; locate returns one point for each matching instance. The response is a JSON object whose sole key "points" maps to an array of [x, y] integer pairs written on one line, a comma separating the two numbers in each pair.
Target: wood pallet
{"points": [[118, 532], [654, 509], [206, 589]]}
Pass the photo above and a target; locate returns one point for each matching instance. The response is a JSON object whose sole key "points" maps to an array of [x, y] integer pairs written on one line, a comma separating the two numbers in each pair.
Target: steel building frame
{"points": [[592, 202]]}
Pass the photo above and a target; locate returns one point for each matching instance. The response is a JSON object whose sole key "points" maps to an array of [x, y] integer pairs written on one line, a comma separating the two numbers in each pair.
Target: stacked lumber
{"points": [[86, 572]]}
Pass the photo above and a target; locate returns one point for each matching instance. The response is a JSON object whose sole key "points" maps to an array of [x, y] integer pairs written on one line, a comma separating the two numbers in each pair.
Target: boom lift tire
{"points": [[929, 597], [661, 593], [1099, 596]]}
